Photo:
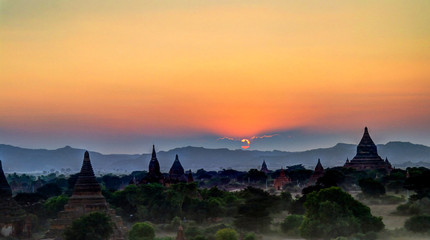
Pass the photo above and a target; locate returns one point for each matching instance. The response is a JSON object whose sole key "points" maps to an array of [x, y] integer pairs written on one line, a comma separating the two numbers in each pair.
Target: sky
{"points": [[119, 76]]}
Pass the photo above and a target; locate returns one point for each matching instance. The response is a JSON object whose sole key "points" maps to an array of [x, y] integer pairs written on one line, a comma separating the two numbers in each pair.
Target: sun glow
{"points": [[247, 142]]}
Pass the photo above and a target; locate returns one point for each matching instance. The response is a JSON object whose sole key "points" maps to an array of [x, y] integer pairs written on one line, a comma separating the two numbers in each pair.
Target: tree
{"points": [[49, 190], [331, 177], [331, 213], [418, 223], [371, 187], [94, 226], [254, 214], [292, 223], [141, 231], [54, 204], [226, 234]]}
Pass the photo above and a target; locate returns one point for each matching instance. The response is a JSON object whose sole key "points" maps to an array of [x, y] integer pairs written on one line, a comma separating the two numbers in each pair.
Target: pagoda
{"points": [[281, 181], [367, 157], [180, 234], [264, 167], [86, 198], [176, 173], [318, 172], [190, 178], [12, 216], [154, 175]]}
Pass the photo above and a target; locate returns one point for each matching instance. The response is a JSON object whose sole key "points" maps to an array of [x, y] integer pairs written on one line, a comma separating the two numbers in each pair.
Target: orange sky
{"points": [[229, 68]]}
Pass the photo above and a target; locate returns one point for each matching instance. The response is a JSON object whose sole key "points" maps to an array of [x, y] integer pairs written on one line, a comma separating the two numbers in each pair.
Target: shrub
{"points": [[226, 234], [250, 236], [292, 223], [418, 223], [141, 231], [332, 213], [94, 226]]}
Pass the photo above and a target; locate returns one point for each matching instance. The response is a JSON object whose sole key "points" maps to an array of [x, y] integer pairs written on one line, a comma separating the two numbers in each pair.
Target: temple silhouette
{"points": [[367, 157], [318, 172], [86, 198], [281, 181], [12, 216], [176, 172], [264, 167]]}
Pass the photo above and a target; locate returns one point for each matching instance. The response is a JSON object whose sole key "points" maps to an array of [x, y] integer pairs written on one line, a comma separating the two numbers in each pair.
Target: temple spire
{"points": [[154, 155], [319, 167], [87, 183], [5, 190]]}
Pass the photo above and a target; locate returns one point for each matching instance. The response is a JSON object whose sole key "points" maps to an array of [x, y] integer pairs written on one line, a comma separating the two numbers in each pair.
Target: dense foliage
{"points": [[94, 226], [418, 223], [226, 234], [141, 231], [371, 187], [332, 212]]}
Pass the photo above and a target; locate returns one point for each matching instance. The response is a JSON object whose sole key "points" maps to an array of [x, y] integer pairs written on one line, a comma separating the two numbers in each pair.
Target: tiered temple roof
{"points": [[177, 173], [318, 172], [264, 167], [86, 198], [367, 157], [154, 174], [12, 216]]}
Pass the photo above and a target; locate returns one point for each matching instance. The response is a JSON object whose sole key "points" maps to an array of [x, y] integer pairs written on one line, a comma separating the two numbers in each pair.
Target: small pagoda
{"points": [[318, 172], [86, 198], [367, 157], [180, 234], [281, 181], [154, 175], [176, 173], [12, 216], [264, 167]]}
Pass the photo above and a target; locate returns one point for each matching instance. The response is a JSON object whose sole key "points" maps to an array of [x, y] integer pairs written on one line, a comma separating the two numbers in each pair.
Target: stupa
{"points": [[86, 198], [264, 167], [318, 172], [281, 181], [176, 173], [154, 175], [12, 216], [367, 157]]}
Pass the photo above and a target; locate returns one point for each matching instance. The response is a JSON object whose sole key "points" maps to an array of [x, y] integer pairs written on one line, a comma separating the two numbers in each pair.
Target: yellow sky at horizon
{"points": [[223, 67]]}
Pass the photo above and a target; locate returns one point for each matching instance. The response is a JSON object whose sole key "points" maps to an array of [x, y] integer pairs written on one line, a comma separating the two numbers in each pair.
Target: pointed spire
{"points": [[154, 155], [282, 173], [366, 147], [86, 184], [190, 177], [154, 173], [177, 171], [319, 167], [180, 234], [264, 167], [5, 190]]}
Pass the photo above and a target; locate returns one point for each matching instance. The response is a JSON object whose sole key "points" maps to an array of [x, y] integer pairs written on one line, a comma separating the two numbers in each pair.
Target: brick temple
{"points": [[318, 172], [86, 198], [367, 157], [281, 181], [12, 216]]}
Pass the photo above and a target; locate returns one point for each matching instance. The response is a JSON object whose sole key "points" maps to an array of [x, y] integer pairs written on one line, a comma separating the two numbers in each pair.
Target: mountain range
{"points": [[17, 159]]}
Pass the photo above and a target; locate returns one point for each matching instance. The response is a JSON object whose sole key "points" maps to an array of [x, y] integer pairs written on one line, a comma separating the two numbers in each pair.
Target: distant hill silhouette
{"points": [[16, 159]]}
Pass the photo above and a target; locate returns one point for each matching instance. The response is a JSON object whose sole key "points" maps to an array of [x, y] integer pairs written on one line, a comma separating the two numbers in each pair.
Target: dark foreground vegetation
{"points": [[229, 205]]}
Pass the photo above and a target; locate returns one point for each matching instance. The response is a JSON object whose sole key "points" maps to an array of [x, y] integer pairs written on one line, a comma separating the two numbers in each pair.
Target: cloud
{"points": [[264, 136], [226, 138]]}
